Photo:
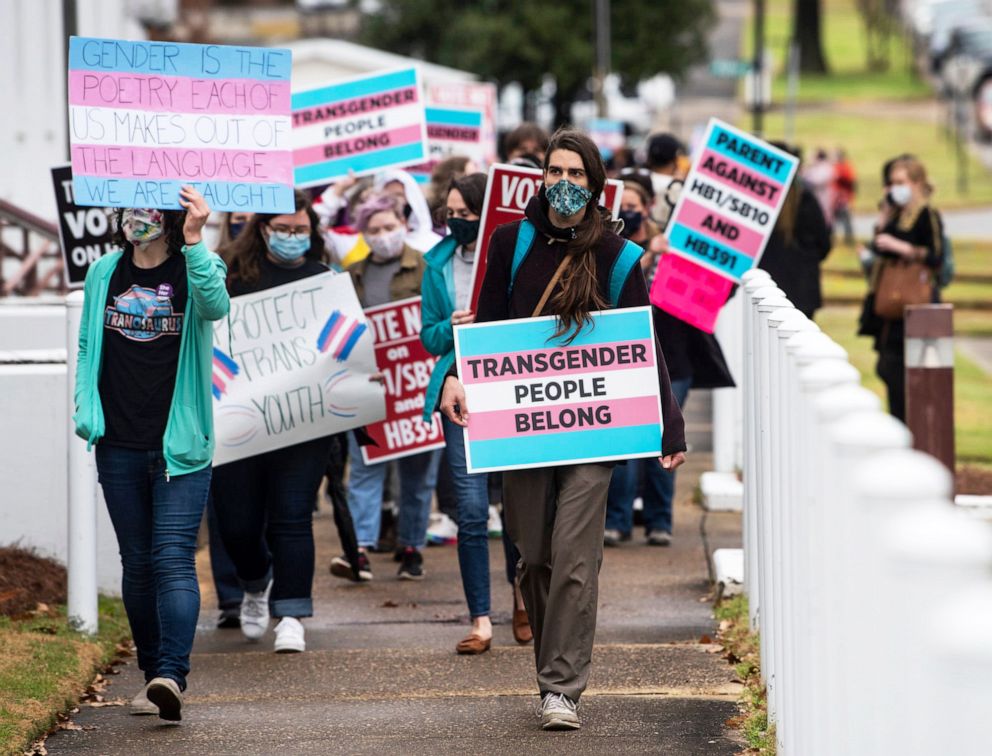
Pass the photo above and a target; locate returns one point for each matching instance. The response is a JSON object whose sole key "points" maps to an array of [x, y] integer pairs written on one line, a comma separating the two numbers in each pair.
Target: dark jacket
{"points": [[533, 277], [691, 353]]}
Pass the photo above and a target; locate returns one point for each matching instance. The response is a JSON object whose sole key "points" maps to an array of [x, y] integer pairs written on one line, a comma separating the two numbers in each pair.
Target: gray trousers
{"points": [[556, 516]]}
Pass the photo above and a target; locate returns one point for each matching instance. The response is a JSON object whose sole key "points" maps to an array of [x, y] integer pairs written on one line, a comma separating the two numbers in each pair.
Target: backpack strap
{"points": [[630, 255], [525, 240]]}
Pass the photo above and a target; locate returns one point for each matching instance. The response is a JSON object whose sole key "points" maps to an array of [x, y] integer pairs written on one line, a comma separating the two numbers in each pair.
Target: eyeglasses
{"points": [[287, 231]]}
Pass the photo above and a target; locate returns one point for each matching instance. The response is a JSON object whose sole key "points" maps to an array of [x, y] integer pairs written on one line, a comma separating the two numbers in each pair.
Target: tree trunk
{"points": [[807, 31]]}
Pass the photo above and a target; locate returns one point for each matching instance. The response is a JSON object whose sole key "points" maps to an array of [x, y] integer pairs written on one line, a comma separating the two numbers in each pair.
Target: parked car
{"points": [[969, 52]]}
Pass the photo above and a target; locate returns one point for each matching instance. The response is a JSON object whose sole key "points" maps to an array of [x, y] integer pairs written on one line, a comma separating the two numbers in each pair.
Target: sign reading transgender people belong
{"points": [[535, 401], [145, 118], [359, 126]]}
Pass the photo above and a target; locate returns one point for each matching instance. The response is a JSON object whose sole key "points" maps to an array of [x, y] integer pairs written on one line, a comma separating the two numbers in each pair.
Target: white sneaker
{"points": [[165, 694], [495, 523], [442, 530], [255, 613], [558, 712], [140, 704], [290, 638]]}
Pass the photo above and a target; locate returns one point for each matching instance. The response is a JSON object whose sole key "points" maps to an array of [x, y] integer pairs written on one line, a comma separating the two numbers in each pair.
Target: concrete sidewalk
{"points": [[380, 674]]}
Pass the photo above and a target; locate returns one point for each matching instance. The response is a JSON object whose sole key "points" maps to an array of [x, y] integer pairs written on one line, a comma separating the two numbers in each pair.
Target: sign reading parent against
{"points": [[536, 402], [451, 132], [145, 118], [292, 363], [84, 232], [361, 125], [406, 366], [721, 223], [476, 95], [508, 190]]}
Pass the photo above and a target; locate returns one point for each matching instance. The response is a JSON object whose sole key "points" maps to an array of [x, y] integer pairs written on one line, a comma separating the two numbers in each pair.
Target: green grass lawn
{"points": [[971, 258], [972, 394]]}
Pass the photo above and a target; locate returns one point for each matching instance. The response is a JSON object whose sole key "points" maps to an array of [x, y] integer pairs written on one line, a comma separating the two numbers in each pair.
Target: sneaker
{"points": [[442, 530], [140, 704], [341, 567], [165, 694], [558, 712], [659, 538], [229, 619], [290, 637], [495, 523], [255, 613], [412, 565], [614, 537]]}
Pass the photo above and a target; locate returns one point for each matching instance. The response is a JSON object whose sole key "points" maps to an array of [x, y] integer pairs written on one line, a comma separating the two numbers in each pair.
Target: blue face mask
{"points": [[567, 198], [288, 247]]}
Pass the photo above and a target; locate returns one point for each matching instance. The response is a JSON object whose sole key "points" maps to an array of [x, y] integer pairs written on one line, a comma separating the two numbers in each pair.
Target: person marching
{"points": [[264, 503], [447, 289], [142, 395], [555, 515]]}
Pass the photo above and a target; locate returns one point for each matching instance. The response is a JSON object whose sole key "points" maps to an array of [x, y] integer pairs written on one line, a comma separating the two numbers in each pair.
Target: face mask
{"points": [[141, 226], [901, 194], [632, 220], [463, 231], [235, 229], [287, 247], [567, 198], [388, 245]]}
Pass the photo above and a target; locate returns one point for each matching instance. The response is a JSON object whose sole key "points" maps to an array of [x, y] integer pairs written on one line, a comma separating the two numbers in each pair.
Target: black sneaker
{"points": [[412, 565], [341, 567], [229, 619]]}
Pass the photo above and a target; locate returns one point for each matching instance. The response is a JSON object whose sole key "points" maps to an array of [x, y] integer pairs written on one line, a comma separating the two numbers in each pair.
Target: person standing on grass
{"points": [[142, 396], [555, 515]]}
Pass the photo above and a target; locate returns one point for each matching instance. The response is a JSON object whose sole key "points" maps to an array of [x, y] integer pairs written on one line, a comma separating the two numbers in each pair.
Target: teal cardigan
{"points": [[188, 444], [438, 302]]}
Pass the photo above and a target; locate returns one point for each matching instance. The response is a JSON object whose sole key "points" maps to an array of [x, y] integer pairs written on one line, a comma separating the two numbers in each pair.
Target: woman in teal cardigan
{"points": [[142, 396], [446, 292]]}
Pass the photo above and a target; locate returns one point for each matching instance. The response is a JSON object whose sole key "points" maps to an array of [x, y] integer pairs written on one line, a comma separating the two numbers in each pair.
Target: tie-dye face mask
{"points": [[567, 198], [141, 226]]}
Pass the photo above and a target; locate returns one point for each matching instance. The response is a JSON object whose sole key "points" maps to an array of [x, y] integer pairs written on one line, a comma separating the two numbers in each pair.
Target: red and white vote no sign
{"points": [[508, 191]]}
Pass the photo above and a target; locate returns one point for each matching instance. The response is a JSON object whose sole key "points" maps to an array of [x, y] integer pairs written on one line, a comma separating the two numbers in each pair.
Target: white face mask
{"points": [[901, 194], [387, 245]]}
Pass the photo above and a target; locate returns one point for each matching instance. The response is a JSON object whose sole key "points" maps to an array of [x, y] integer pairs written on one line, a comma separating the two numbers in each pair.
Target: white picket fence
{"points": [[871, 592]]}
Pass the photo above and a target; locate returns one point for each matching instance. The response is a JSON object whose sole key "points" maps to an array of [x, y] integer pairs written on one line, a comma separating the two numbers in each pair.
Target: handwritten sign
{"points": [[85, 233], [451, 132], [406, 365], [722, 221], [147, 117], [477, 96], [292, 363], [537, 402], [508, 190], [361, 125]]}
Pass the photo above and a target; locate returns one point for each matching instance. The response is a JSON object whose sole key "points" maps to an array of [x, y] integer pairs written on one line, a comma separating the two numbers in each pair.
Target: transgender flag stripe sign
{"points": [[224, 370], [339, 335]]}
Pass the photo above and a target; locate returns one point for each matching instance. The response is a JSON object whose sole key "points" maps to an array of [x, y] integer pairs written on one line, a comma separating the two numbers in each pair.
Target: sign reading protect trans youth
{"points": [[535, 401], [147, 117], [361, 126]]}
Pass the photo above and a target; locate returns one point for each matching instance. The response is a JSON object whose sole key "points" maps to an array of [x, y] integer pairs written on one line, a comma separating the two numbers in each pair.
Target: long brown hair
{"points": [[579, 293], [245, 253]]}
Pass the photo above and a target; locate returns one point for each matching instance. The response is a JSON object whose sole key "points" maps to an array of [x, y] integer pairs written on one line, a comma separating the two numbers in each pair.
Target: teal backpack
{"points": [[630, 255]]}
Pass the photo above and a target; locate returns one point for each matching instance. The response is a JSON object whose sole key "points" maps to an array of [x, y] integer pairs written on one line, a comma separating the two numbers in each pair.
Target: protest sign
{"points": [[451, 132], [477, 96], [537, 402], [508, 191], [406, 365], [608, 134], [84, 232], [722, 221], [361, 125], [292, 363], [146, 118]]}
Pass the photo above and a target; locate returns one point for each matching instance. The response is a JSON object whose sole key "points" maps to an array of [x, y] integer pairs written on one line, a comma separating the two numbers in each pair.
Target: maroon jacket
{"points": [[533, 277]]}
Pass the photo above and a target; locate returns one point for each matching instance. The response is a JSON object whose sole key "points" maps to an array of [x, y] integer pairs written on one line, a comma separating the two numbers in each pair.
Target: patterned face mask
{"points": [[141, 226], [567, 198]]}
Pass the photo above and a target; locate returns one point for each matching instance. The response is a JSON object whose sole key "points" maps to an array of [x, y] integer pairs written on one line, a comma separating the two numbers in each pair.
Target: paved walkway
{"points": [[979, 350]]}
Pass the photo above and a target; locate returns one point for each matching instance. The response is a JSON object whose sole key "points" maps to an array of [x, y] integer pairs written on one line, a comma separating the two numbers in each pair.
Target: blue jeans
{"points": [[265, 511], [226, 584], [472, 492], [418, 476], [156, 522], [659, 486]]}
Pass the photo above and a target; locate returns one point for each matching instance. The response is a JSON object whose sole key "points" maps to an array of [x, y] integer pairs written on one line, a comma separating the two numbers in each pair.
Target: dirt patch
{"points": [[27, 580], [973, 480]]}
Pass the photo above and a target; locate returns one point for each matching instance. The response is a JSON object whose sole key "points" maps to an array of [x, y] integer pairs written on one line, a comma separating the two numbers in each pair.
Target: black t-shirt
{"points": [[142, 326], [271, 275]]}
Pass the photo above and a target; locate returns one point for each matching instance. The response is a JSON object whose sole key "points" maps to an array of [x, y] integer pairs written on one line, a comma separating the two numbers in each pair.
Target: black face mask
{"points": [[235, 229], [632, 220], [463, 231]]}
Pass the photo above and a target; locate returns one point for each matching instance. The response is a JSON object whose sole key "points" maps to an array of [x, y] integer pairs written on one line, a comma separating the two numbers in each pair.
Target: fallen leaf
{"points": [[389, 604], [706, 639]]}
